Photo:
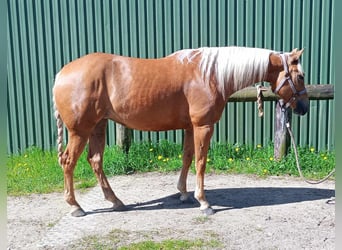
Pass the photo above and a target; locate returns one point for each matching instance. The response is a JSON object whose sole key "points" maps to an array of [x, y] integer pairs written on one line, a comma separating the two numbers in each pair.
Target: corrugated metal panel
{"points": [[45, 35]]}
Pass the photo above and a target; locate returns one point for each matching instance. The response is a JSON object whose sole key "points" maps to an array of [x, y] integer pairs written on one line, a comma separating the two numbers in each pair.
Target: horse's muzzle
{"points": [[302, 107]]}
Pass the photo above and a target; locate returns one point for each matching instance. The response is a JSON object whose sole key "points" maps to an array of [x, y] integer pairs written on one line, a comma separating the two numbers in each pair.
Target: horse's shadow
{"points": [[235, 198]]}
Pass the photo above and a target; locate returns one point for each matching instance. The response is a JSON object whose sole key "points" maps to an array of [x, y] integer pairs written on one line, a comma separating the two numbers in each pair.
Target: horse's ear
{"points": [[295, 55], [299, 53]]}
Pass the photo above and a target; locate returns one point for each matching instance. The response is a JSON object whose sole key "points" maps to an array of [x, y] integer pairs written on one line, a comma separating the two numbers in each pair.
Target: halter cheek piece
{"points": [[287, 78]]}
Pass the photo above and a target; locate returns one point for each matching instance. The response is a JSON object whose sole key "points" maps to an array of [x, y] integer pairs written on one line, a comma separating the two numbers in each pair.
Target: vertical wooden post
{"points": [[123, 137], [281, 136]]}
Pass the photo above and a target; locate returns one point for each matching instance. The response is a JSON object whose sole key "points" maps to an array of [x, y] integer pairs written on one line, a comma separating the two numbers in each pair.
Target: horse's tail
{"points": [[59, 135]]}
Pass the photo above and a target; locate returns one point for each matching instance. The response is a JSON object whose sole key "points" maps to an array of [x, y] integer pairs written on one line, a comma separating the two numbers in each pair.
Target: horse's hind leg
{"points": [[76, 144], [188, 153], [95, 158]]}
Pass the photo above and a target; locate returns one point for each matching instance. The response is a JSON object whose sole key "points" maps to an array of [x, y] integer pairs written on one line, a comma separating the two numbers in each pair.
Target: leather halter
{"points": [[287, 78]]}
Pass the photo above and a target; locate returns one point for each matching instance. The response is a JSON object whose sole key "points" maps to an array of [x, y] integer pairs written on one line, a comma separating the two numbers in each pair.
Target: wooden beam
{"points": [[315, 92]]}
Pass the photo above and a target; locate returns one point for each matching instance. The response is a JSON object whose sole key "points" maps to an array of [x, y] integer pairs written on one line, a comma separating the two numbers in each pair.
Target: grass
{"points": [[122, 240], [172, 244], [37, 171]]}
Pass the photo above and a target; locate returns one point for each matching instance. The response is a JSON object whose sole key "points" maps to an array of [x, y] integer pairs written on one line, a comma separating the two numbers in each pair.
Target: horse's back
{"points": [[144, 94]]}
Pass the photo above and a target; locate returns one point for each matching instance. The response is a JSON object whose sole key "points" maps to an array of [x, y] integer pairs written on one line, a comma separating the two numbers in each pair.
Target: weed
{"points": [[172, 244], [37, 171], [126, 240], [201, 219]]}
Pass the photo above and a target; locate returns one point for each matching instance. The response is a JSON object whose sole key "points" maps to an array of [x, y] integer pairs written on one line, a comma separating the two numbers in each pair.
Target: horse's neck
{"points": [[231, 86]]}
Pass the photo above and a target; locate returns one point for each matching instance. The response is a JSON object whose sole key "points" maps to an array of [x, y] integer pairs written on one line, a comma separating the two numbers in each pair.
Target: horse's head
{"points": [[289, 83]]}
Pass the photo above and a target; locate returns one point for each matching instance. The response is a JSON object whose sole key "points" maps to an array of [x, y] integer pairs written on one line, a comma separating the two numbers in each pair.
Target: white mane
{"points": [[239, 66]]}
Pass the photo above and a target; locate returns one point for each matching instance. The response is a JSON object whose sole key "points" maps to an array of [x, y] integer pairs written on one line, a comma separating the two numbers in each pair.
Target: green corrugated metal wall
{"points": [[44, 35]]}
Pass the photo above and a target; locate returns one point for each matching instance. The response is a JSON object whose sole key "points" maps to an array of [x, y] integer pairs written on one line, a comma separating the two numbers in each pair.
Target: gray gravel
{"points": [[251, 213]]}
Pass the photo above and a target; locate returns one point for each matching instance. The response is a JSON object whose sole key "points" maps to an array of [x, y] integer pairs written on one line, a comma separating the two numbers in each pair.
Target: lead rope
{"points": [[288, 126]]}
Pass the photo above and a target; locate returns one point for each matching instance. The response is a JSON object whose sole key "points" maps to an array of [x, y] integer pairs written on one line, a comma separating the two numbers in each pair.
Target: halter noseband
{"points": [[287, 78]]}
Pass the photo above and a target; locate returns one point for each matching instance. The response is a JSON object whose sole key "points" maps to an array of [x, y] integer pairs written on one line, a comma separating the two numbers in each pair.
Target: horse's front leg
{"points": [[202, 136], [188, 154]]}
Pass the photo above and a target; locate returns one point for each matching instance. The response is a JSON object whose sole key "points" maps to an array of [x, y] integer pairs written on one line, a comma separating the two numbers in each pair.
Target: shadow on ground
{"points": [[236, 198]]}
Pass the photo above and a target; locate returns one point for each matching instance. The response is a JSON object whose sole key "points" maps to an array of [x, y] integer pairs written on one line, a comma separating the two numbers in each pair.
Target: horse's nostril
{"points": [[302, 107]]}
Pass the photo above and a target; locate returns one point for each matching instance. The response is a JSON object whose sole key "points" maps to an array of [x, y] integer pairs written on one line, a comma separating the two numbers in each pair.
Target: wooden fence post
{"points": [[123, 137], [281, 136]]}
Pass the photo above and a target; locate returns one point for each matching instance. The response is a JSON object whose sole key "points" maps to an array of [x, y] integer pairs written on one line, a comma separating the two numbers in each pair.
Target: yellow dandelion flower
{"points": [[325, 158], [248, 158], [151, 149], [312, 149], [259, 146], [208, 160], [271, 158], [230, 159], [160, 157], [179, 156], [237, 149]]}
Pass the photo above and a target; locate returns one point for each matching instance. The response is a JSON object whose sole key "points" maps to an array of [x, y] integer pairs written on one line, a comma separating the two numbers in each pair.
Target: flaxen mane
{"points": [[239, 66]]}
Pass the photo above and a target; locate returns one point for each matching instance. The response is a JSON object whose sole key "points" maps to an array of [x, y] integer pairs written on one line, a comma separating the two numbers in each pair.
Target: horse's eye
{"points": [[300, 78]]}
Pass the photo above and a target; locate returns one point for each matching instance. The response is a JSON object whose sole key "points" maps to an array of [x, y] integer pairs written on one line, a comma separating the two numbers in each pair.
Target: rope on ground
{"points": [[288, 126]]}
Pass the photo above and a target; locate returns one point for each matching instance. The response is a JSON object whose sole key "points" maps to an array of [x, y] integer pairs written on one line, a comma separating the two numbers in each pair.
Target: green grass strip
{"points": [[37, 171]]}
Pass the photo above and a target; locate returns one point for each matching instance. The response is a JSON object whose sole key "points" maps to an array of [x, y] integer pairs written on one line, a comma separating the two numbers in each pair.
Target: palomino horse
{"points": [[185, 90]]}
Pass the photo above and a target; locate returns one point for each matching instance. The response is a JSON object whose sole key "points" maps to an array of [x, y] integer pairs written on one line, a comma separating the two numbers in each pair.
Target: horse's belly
{"points": [[156, 126], [153, 119]]}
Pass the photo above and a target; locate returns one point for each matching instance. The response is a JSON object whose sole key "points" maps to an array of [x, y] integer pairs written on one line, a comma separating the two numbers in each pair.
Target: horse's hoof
{"points": [[78, 212], [184, 197], [187, 200], [208, 211], [119, 208]]}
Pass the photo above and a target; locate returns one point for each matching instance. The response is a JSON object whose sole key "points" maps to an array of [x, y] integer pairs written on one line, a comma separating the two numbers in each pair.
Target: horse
{"points": [[187, 90]]}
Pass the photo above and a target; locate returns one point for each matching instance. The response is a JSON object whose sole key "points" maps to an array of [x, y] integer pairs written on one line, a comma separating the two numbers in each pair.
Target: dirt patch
{"points": [[251, 213]]}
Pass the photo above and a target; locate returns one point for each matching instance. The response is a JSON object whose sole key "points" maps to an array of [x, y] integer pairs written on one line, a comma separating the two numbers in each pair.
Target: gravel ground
{"points": [[251, 213]]}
